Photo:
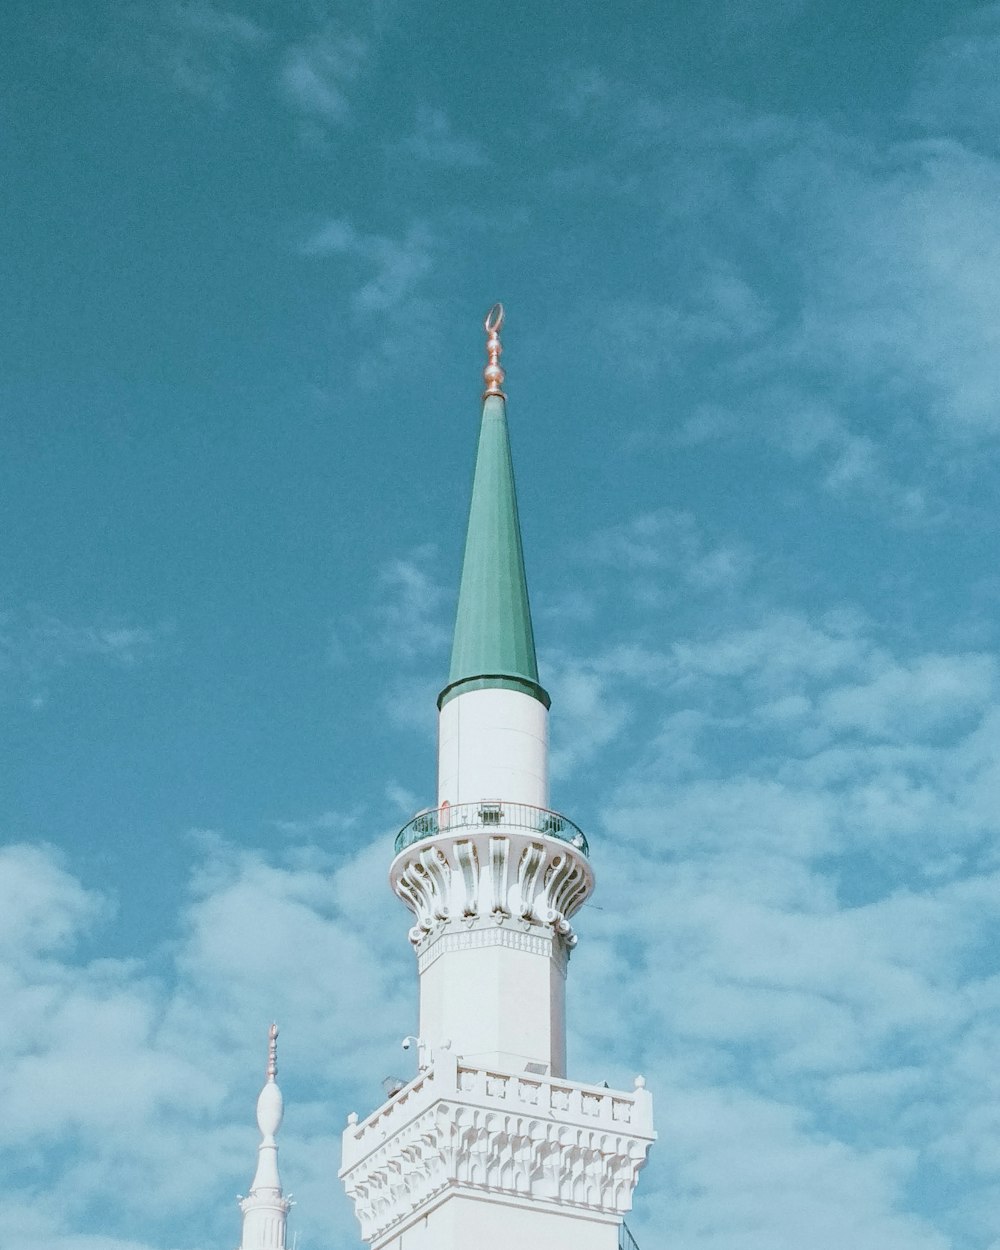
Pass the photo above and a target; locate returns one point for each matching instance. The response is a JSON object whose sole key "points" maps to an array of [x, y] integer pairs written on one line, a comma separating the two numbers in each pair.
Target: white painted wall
{"points": [[493, 744], [475, 1223], [498, 1007], [264, 1226]]}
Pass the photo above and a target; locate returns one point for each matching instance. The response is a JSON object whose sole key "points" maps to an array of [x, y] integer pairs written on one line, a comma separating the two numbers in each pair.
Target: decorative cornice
{"points": [[478, 934], [508, 877], [553, 1143]]}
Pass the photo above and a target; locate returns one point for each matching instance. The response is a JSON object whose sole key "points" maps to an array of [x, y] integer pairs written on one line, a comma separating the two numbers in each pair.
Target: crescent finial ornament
{"points": [[493, 374]]}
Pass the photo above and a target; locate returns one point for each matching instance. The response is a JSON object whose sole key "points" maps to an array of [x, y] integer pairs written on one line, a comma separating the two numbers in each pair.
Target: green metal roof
{"points": [[494, 645]]}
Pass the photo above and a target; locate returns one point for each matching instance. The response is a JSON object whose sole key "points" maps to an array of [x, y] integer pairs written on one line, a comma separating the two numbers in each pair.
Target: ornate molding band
{"points": [[507, 877], [476, 1131], [480, 934]]}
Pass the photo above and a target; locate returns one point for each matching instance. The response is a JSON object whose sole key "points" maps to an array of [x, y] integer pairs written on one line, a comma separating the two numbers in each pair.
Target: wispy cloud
{"points": [[36, 646], [325, 822], [882, 295], [411, 606], [435, 141], [408, 618], [399, 264], [388, 277], [903, 294], [592, 714], [956, 92], [774, 1000], [316, 75], [667, 539], [406, 624], [202, 48], [722, 309]]}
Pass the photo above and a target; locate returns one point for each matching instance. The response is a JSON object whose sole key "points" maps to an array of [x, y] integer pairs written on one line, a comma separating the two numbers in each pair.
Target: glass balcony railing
{"points": [[487, 817]]}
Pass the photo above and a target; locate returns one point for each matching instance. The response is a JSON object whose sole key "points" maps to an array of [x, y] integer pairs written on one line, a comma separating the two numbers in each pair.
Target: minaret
{"points": [[490, 1145], [265, 1208]]}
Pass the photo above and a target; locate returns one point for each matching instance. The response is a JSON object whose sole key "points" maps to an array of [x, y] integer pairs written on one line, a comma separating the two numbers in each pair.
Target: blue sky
{"points": [[750, 255]]}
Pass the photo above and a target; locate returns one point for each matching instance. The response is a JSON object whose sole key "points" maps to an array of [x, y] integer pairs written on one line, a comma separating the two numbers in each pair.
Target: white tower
{"points": [[490, 1147], [265, 1208]]}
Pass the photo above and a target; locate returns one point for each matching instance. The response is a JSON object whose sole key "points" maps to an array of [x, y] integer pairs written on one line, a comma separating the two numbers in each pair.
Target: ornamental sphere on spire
{"points": [[493, 374]]}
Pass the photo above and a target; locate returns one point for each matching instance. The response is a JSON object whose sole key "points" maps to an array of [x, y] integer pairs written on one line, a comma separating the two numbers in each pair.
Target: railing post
{"points": [[444, 1070], [642, 1108]]}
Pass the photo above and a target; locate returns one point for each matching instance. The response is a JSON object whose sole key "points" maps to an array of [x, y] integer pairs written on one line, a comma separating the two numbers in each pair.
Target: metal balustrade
{"points": [[488, 817], [625, 1239]]}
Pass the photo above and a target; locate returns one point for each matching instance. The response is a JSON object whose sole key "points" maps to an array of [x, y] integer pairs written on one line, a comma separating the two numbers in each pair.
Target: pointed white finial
{"points": [[265, 1206], [272, 1052], [493, 374], [270, 1104]]}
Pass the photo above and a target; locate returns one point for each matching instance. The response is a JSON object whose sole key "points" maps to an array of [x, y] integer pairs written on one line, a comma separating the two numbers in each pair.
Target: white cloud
{"points": [[154, 1074], [956, 90], [591, 714], [42, 907], [388, 275], [750, 1174], [721, 309], [795, 1045], [781, 651], [214, 23], [327, 822], [412, 608], [200, 48], [670, 540], [38, 642], [388, 287], [434, 141], [909, 702], [796, 915], [903, 294], [36, 647], [316, 75], [881, 272]]}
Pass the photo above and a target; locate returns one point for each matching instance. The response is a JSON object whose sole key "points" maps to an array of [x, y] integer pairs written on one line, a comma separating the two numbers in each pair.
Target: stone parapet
{"points": [[470, 1131]]}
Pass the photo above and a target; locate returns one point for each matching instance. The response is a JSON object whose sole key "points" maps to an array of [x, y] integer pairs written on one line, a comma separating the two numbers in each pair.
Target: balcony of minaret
{"points": [[491, 860], [493, 886]]}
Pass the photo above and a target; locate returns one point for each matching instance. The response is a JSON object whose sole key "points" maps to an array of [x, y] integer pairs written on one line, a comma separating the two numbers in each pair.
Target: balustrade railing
{"points": [[490, 817], [548, 1095]]}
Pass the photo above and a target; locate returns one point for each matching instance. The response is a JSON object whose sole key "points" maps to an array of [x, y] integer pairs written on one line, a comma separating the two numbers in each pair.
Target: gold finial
{"points": [[493, 374], [272, 1052]]}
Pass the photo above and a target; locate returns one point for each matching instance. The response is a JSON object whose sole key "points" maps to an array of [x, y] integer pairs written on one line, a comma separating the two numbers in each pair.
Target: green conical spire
{"points": [[494, 644]]}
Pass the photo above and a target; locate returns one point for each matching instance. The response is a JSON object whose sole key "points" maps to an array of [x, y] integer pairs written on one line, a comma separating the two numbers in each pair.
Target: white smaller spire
{"points": [[265, 1208]]}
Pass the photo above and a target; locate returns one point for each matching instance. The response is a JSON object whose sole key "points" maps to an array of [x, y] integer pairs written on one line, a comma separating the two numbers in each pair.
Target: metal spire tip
{"points": [[493, 374]]}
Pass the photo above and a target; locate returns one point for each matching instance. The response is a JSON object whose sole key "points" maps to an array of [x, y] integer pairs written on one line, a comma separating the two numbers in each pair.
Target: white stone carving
{"points": [[478, 934], [507, 877], [553, 1143]]}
